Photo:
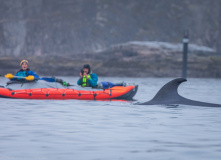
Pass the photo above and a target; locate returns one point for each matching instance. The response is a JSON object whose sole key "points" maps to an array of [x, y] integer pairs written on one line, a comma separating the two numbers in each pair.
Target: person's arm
{"points": [[93, 80], [32, 73], [13, 79], [79, 82]]}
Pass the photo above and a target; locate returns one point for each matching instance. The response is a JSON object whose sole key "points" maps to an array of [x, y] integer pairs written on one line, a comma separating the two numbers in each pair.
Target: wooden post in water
{"points": [[185, 52]]}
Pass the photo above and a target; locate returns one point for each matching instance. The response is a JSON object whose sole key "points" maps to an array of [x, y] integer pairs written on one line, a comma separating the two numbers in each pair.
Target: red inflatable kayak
{"points": [[53, 90]]}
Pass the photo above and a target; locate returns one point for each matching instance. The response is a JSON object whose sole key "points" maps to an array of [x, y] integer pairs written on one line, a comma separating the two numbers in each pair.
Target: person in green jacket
{"points": [[87, 78]]}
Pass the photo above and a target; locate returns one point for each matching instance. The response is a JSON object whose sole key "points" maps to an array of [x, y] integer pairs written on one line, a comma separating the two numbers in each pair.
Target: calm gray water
{"points": [[109, 130]]}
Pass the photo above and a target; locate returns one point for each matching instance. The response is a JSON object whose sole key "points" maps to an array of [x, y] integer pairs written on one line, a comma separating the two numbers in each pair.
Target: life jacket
{"points": [[85, 81], [22, 73]]}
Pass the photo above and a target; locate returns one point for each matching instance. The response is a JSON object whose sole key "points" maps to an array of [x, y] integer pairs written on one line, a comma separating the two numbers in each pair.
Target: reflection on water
{"points": [[73, 129]]}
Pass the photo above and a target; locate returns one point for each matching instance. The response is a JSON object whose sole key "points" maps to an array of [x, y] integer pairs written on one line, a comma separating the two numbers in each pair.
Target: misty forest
{"points": [[141, 38]]}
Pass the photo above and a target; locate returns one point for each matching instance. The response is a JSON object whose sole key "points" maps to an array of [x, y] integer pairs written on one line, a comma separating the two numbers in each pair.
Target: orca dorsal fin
{"points": [[168, 95]]}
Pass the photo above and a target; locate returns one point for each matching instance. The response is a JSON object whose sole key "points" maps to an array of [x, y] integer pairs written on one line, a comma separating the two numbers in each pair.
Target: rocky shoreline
{"points": [[123, 60]]}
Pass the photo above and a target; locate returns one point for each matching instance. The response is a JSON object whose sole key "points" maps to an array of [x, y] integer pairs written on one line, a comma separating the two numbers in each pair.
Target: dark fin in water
{"points": [[168, 95]]}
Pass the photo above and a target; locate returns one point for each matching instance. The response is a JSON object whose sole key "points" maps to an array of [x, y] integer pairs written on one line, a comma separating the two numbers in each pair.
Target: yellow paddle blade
{"points": [[30, 78], [9, 76]]}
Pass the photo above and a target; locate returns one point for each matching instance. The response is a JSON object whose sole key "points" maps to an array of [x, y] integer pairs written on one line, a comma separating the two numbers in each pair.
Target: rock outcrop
{"points": [[132, 59]]}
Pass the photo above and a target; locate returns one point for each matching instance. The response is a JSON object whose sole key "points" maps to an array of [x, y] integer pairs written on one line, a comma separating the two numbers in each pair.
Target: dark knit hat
{"points": [[88, 67]]}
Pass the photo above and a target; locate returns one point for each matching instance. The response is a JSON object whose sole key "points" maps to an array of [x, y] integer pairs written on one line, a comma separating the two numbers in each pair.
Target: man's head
{"points": [[87, 68], [24, 65]]}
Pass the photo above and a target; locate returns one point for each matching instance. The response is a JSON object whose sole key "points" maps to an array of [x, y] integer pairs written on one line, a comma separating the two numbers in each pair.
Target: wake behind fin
{"points": [[168, 95]]}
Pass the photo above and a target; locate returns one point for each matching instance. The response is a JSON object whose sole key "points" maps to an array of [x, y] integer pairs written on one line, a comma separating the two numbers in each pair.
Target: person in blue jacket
{"points": [[89, 79], [25, 72]]}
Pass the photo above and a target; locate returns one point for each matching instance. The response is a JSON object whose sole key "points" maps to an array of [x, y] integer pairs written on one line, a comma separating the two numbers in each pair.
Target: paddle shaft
{"points": [[20, 77], [43, 78]]}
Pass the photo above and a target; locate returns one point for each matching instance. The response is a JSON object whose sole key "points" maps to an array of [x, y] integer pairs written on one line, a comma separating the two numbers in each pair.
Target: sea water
{"points": [[114, 130]]}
